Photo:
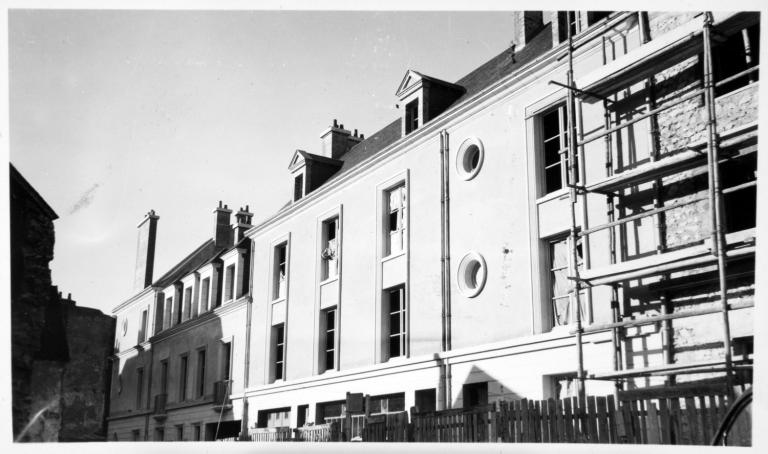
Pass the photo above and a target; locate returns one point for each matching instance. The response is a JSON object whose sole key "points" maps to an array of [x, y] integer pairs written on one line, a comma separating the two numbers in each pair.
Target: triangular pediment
{"points": [[411, 79], [298, 160]]}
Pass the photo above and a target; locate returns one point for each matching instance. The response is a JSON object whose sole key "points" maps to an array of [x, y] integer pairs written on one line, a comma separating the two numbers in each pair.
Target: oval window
{"points": [[472, 274], [470, 157]]}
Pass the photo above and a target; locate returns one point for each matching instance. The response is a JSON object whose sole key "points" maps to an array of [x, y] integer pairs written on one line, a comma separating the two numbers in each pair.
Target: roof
{"points": [[476, 81], [35, 196], [205, 253]]}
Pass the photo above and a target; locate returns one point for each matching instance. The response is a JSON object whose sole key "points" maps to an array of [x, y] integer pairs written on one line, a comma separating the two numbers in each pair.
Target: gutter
{"points": [[445, 260]]}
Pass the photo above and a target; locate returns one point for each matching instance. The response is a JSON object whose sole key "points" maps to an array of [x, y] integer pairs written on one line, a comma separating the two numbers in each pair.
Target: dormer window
{"points": [[298, 187], [412, 116], [423, 98]]}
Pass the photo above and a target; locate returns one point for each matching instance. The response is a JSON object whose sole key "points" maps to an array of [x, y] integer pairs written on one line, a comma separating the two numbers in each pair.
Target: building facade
{"points": [[574, 217]]}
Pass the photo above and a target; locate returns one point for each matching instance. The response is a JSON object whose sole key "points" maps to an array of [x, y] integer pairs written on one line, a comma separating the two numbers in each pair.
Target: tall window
{"points": [[180, 432], [227, 356], [298, 187], [554, 128], [183, 371], [139, 386], [229, 285], [396, 220], [159, 434], [205, 288], [187, 303], [559, 255], [278, 342], [279, 276], [329, 339], [164, 376], [411, 116], [396, 332], [178, 307], [143, 327], [330, 252], [201, 373], [168, 312]]}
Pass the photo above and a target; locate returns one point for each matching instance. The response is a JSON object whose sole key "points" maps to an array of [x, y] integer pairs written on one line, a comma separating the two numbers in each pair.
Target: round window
{"points": [[472, 274], [469, 159]]}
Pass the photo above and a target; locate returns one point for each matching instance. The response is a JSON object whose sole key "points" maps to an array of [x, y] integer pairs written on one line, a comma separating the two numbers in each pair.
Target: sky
{"points": [[114, 113]]}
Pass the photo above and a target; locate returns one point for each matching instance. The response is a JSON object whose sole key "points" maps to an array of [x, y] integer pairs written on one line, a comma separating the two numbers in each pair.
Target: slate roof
{"points": [[476, 81], [484, 76], [204, 253]]}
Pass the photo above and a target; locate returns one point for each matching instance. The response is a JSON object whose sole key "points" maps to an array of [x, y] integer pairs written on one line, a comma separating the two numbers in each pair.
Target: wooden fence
{"points": [[686, 420]]}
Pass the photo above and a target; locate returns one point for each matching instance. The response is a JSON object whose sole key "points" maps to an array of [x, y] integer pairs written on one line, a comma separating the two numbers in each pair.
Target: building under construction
{"points": [[574, 218]]}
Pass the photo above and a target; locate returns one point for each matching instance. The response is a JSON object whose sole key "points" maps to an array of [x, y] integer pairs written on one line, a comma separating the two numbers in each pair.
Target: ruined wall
{"points": [[58, 350]]}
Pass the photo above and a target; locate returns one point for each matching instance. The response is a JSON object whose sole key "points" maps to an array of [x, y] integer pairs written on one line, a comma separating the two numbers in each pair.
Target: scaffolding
{"points": [[717, 251]]}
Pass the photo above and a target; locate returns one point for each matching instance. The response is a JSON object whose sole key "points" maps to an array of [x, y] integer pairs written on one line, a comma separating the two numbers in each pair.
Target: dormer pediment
{"points": [[298, 160], [411, 81]]}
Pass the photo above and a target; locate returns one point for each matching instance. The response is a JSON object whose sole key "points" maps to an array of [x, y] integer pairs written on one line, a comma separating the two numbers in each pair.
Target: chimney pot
{"points": [[362, 136]]}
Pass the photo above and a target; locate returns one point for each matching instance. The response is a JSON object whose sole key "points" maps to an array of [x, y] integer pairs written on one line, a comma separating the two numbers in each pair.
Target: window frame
{"points": [[277, 360], [139, 388], [279, 271], [400, 211], [550, 282], [183, 376], [324, 347], [402, 313], [200, 372], [330, 253], [541, 155]]}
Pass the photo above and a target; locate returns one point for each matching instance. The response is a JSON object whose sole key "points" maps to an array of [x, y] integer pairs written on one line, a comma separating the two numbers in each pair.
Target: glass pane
{"points": [[394, 301], [551, 124], [393, 221], [551, 151], [553, 179], [394, 346], [394, 323], [397, 403], [561, 311], [559, 254], [329, 360], [329, 340], [279, 352], [330, 319], [560, 283]]}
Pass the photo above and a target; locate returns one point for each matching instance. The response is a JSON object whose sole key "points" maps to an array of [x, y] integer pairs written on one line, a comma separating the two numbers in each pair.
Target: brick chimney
{"points": [[222, 230], [525, 26], [145, 251], [335, 141], [243, 219]]}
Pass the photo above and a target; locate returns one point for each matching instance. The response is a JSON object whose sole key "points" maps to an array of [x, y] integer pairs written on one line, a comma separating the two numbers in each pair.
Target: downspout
{"points": [[246, 371], [446, 264]]}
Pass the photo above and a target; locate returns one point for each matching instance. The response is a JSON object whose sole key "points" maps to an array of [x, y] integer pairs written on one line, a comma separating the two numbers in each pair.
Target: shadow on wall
{"points": [[170, 377], [480, 388]]}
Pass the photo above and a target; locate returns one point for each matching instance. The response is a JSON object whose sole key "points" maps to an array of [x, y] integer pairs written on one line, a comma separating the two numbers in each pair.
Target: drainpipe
{"points": [[246, 371], [445, 261]]}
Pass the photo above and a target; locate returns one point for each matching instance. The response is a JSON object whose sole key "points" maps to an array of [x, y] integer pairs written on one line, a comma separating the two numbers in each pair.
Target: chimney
{"points": [[145, 251], [222, 231], [526, 24], [335, 141], [243, 220]]}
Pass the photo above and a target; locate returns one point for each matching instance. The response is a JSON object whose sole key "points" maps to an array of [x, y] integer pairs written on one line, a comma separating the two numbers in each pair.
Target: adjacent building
{"points": [[574, 217], [60, 352]]}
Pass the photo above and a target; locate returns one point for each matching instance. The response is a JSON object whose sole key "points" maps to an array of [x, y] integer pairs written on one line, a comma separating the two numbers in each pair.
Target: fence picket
{"points": [[592, 419], [653, 424], [611, 404], [602, 420], [691, 420]]}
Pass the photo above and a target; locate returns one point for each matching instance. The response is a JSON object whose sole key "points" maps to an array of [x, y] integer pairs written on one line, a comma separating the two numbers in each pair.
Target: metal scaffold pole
{"points": [[573, 243], [715, 195]]}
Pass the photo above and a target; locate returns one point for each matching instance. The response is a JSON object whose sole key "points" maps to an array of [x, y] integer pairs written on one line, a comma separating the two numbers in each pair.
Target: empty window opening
{"points": [[143, 327], [396, 326], [411, 116], [426, 400], [566, 20], [737, 53], [227, 358], [278, 341], [164, 376], [187, 303], [183, 371], [475, 394], [391, 403], [201, 373], [139, 387], [329, 339]]}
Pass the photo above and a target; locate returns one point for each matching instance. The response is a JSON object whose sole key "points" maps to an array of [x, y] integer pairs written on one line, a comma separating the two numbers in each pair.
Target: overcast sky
{"points": [[114, 113]]}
